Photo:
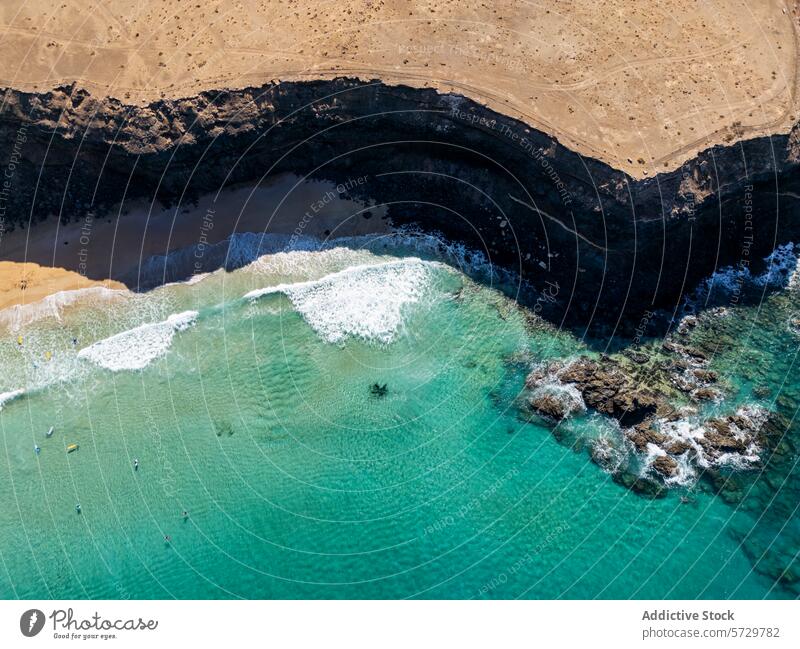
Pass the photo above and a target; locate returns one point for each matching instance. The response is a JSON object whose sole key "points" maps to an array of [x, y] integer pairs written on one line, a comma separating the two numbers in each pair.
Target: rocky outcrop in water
{"points": [[655, 393], [554, 402], [613, 247]]}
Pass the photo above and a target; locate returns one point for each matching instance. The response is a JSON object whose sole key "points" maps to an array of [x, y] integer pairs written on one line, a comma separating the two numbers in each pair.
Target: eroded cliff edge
{"points": [[615, 248]]}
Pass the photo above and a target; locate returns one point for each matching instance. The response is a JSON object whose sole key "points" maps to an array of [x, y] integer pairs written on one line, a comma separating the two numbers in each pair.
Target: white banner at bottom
{"points": [[399, 624]]}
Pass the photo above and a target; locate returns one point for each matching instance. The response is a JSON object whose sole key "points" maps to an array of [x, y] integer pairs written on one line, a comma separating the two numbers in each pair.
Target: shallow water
{"points": [[257, 416]]}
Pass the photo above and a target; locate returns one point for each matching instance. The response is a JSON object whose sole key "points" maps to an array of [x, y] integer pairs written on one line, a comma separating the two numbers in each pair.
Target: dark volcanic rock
{"points": [[677, 447], [608, 390], [705, 394], [665, 465], [731, 434], [549, 405], [708, 376], [641, 395], [643, 434], [601, 239], [635, 356]]}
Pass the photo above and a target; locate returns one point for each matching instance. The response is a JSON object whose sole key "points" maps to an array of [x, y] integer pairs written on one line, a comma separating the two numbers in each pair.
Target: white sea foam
{"points": [[5, 397], [298, 265], [610, 455], [52, 306], [685, 473], [567, 395], [781, 271], [137, 348], [692, 431], [755, 417], [609, 446], [293, 256], [366, 301], [181, 266]]}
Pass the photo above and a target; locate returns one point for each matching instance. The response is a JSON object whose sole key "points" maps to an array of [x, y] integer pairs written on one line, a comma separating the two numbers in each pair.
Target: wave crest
{"points": [[5, 397], [366, 301], [136, 348]]}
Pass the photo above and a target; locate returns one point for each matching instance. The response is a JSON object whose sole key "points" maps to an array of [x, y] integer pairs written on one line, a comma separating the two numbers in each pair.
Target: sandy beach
{"points": [[100, 251], [642, 88], [25, 283]]}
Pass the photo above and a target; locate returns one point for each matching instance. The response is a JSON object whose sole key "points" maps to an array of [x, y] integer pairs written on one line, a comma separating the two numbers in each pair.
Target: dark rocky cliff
{"points": [[616, 247]]}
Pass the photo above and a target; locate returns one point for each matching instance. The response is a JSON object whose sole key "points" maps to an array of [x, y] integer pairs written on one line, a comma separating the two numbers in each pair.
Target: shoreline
{"points": [[111, 250], [546, 213], [24, 283]]}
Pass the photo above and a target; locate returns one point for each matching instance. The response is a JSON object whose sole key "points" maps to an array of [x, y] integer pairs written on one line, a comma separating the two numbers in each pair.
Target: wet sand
{"points": [[54, 257]]}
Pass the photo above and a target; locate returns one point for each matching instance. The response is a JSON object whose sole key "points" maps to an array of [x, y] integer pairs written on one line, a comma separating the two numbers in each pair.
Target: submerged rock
{"points": [[726, 486], [639, 485], [761, 391], [608, 455]]}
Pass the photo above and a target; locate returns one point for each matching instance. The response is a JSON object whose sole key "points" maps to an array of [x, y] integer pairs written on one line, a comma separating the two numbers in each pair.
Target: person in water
{"points": [[36, 448], [78, 508], [135, 464]]}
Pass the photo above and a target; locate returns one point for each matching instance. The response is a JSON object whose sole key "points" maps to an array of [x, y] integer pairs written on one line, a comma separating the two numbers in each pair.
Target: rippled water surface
{"points": [[254, 401]]}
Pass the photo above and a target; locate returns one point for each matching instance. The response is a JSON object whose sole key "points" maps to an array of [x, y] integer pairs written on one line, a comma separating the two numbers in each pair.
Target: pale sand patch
{"points": [[98, 251], [642, 85]]}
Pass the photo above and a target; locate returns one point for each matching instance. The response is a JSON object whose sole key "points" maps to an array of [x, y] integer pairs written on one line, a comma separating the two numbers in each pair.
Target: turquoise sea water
{"points": [[257, 416]]}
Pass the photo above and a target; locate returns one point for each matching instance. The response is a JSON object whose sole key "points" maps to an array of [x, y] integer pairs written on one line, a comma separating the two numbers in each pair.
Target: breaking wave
{"points": [[52, 306], [699, 455], [367, 301], [5, 397], [136, 348], [727, 284]]}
